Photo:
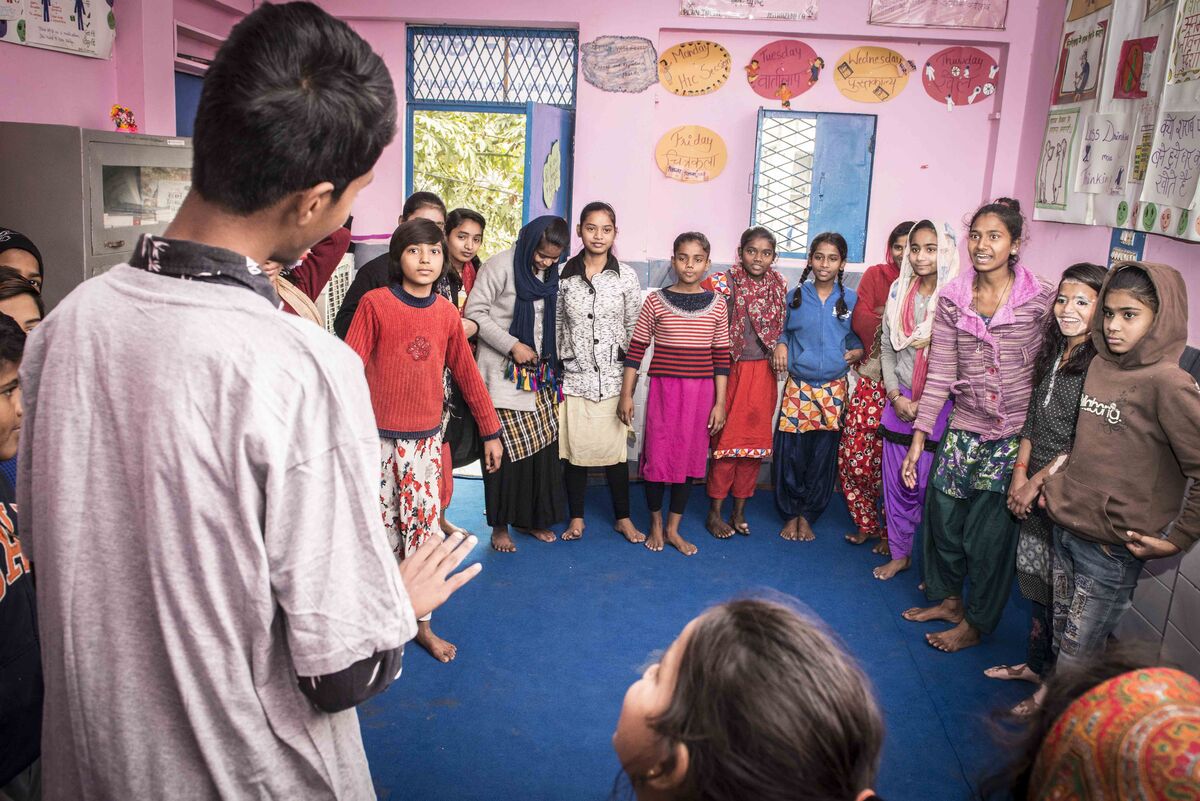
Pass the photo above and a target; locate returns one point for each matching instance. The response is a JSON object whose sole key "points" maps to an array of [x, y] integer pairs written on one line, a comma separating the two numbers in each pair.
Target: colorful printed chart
{"points": [[694, 68], [960, 76], [787, 65], [691, 154], [872, 74]]}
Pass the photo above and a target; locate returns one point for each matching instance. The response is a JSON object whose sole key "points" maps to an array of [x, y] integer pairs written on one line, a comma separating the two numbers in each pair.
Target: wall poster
{"points": [[872, 74], [1054, 167], [1134, 68], [1155, 6], [1174, 168], [1080, 64], [750, 9], [1081, 8], [1104, 154], [82, 27], [786, 64], [691, 154], [1184, 63], [619, 63], [939, 13], [960, 76], [694, 68]]}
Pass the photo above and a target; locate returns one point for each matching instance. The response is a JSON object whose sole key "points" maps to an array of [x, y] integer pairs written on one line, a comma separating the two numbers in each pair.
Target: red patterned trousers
{"points": [[860, 456]]}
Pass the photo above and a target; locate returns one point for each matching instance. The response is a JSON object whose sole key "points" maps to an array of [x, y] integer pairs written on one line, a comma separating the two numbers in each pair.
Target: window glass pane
{"points": [[785, 176], [479, 65]]}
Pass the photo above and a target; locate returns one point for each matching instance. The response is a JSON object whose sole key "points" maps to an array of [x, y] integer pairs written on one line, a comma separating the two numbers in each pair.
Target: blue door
{"points": [[843, 155], [549, 146]]}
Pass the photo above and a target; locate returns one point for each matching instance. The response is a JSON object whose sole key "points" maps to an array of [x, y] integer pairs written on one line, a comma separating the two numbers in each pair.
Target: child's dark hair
{"points": [[901, 230], [1063, 688], [770, 707], [1053, 340], [595, 206], [557, 234], [12, 341], [293, 98], [1009, 212], [1136, 281], [757, 232], [421, 200], [13, 284], [692, 236], [839, 242], [457, 217], [418, 231]]}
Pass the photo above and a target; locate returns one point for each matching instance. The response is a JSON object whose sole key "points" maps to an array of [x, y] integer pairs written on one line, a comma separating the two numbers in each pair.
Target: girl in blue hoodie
{"points": [[816, 351]]}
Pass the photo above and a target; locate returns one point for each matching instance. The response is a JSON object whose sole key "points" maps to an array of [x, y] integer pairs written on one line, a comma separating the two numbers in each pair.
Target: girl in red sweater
{"points": [[406, 336]]}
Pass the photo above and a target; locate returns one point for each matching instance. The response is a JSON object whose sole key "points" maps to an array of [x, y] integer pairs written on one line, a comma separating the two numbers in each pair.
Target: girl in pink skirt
{"points": [[689, 328]]}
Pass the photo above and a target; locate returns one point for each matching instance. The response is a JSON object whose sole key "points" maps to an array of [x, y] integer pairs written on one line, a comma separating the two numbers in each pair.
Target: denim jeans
{"points": [[1093, 586]]}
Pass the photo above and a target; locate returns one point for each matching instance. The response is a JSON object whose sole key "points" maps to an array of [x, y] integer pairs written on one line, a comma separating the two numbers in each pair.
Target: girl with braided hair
{"points": [[816, 351]]}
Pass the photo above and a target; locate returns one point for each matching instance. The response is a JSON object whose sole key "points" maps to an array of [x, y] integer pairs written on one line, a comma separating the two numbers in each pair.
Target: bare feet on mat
{"points": [[684, 547], [718, 527], [1031, 704], [804, 531], [737, 522], [628, 530], [882, 548], [1019, 672], [790, 530], [885, 572], [449, 528], [858, 537], [964, 635], [655, 541], [438, 648], [949, 610], [540, 534], [574, 529], [502, 540]]}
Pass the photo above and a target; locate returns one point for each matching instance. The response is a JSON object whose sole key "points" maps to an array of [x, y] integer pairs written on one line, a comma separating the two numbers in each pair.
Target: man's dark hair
{"points": [[12, 341], [12, 284], [293, 98]]}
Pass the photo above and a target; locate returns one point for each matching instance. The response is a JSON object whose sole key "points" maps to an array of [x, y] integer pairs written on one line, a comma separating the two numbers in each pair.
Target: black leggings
{"points": [[618, 486], [679, 496]]}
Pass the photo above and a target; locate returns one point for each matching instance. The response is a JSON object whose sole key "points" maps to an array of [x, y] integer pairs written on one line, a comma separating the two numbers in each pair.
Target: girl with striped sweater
{"points": [[689, 328]]}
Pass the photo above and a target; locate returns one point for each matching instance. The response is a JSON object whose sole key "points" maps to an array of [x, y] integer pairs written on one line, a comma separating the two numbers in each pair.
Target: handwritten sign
{"points": [[694, 68], [872, 74], [619, 63], [1055, 162], [1081, 8], [750, 9], [691, 153], [1133, 68], [939, 13], [1184, 64], [787, 63], [1079, 64], [960, 76], [1174, 160], [82, 27], [1104, 154]]}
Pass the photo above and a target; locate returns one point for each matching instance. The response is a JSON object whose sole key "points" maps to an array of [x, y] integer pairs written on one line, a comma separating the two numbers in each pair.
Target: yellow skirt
{"points": [[590, 434]]}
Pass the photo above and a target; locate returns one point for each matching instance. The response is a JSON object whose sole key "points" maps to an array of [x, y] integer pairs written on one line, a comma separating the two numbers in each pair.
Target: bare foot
{"points": [[1019, 672], [885, 572], [628, 530], [949, 610], [790, 531], [882, 548], [858, 537], [964, 635], [684, 547], [540, 534], [718, 527], [438, 648], [502, 540], [574, 529], [804, 531], [1031, 704], [737, 521], [655, 541], [449, 528]]}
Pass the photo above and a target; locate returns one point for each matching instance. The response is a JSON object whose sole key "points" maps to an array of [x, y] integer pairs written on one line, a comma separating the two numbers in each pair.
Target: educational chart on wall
{"points": [[1174, 162], [872, 74], [691, 154], [619, 63], [694, 68], [1078, 9], [1080, 63], [939, 13], [1184, 62], [960, 76], [82, 27], [784, 67], [1104, 156], [1134, 68], [750, 9], [1054, 166]]}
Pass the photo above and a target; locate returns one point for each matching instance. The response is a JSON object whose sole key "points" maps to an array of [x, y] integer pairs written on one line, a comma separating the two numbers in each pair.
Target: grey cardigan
{"points": [[490, 306]]}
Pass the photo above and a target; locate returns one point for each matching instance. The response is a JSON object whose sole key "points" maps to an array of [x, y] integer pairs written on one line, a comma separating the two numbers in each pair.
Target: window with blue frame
{"points": [[812, 173]]}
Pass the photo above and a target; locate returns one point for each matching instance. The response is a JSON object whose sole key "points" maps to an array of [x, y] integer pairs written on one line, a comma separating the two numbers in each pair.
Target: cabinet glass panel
{"points": [[139, 195]]}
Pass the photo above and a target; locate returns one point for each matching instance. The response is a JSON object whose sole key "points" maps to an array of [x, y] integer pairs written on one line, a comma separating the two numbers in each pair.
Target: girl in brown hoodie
{"points": [[1137, 442]]}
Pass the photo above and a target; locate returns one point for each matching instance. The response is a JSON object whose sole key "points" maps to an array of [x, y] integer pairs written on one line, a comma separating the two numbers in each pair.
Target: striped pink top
{"points": [[687, 344]]}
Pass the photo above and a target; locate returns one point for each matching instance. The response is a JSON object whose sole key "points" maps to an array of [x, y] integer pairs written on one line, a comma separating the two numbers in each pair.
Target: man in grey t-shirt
{"points": [[214, 584]]}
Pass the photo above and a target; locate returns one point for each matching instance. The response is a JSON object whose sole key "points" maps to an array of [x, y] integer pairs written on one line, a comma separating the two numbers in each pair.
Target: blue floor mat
{"points": [[550, 638]]}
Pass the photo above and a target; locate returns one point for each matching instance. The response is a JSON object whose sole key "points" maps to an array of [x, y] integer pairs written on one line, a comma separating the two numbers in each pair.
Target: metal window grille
{"points": [[491, 66], [335, 290], [783, 195]]}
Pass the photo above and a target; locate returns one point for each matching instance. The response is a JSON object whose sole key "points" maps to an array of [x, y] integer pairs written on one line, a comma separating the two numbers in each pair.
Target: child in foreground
{"points": [[685, 407], [796, 719]]}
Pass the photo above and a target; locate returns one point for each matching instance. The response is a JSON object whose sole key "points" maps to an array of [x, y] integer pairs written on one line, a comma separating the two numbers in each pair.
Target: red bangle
{"points": [[1022, 465]]}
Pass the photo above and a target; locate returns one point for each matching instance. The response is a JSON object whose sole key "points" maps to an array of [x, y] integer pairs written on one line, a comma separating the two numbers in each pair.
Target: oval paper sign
{"points": [[872, 74], [691, 153], [960, 76], [786, 63], [694, 68]]}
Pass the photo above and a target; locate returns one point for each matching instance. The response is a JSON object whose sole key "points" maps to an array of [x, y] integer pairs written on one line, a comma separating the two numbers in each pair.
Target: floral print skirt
{"points": [[408, 490]]}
